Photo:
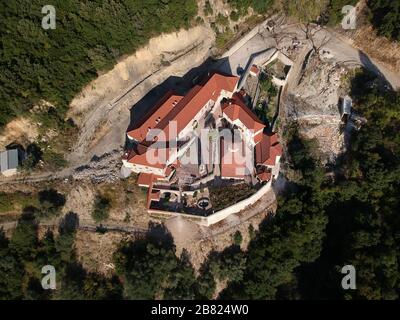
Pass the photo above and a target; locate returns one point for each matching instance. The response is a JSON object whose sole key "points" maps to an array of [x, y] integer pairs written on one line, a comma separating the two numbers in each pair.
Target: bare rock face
{"points": [[314, 105], [106, 168]]}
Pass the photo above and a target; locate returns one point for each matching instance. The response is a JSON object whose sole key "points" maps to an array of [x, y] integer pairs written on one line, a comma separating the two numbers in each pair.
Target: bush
{"points": [[237, 238], [90, 36], [33, 155], [222, 20], [17, 200], [252, 232], [267, 87], [386, 18], [50, 203], [54, 160], [101, 209], [234, 15], [259, 6]]}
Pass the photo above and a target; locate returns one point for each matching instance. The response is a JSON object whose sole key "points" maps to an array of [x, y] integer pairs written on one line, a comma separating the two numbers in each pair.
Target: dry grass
{"points": [[20, 130], [95, 250], [126, 198], [380, 48]]}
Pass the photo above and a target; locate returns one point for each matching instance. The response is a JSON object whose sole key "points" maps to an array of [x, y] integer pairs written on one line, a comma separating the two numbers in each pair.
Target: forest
{"points": [[90, 36], [322, 223], [386, 17]]}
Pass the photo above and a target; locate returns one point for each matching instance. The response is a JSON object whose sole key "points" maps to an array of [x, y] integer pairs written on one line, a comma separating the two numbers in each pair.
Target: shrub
{"points": [[101, 209], [237, 238], [234, 15]]}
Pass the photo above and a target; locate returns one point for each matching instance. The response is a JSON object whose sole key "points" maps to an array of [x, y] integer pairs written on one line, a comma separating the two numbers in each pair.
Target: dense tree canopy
{"points": [[24, 255], [322, 225], [259, 6], [151, 270], [89, 37], [386, 17], [364, 224]]}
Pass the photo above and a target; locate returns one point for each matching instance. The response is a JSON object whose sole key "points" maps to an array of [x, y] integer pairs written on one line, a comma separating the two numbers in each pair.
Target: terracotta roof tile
{"points": [[236, 109], [182, 112], [264, 176], [155, 115], [231, 165], [266, 153]]}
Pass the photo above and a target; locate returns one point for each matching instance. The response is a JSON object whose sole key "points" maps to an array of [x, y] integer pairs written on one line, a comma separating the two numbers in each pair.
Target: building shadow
{"points": [[369, 65], [178, 85]]}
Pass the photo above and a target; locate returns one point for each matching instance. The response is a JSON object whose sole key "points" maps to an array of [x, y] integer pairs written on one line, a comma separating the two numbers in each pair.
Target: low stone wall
{"points": [[219, 215]]}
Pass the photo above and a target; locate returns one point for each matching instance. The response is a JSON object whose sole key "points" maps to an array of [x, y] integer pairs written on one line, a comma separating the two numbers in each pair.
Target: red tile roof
{"points": [[145, 157], [232, 165], [182, 112], [155, 115], [195, 100], [236, 109], [264, 176], [268, 149], [255, 69], [147, 179], [186, 107], [258, 137], [155, 195]]}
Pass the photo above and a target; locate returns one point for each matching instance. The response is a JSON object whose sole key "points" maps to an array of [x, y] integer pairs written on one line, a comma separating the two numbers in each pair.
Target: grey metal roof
{"points": [[3, 161], [347, 102], [9, 159], [12, 159]]}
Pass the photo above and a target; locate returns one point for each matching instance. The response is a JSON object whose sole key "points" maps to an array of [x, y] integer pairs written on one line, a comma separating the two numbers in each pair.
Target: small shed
{"points": [[345, 111], [254, 70], [9, 162]]}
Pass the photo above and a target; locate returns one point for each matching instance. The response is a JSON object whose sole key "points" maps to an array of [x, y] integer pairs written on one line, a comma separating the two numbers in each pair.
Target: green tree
{"points": [[11, 272], [237, 238], [386, 17], [101, 209]]}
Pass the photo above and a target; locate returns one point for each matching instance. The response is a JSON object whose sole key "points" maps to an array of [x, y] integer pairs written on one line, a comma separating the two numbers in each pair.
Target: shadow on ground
{"points": [[179, 85]]}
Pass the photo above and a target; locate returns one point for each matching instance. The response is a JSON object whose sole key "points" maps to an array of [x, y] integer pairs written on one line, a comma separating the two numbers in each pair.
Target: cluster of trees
{"points": [[323, 224], [45, 204], [364, 224], [386, 17], [259, 6], [150, 269], [89, 37], [24, 254]]}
